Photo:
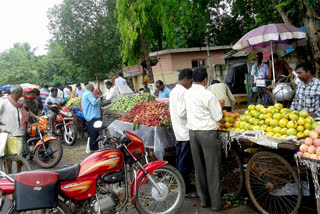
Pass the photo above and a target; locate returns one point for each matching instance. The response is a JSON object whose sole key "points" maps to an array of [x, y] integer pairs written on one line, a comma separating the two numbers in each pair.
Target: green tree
{"points": [[88, 34], [56, 67], [17, 65], [304, 12], [147, 25]]}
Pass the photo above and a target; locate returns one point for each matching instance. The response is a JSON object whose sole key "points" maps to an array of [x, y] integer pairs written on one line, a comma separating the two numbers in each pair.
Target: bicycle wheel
{"points": [[232, 173], [267, 98], [272, 184], [14, 164], [264, 98]]}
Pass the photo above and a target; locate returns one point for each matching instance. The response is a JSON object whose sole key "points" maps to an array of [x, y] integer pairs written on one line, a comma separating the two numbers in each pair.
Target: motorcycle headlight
{"points": [[69, 114]]}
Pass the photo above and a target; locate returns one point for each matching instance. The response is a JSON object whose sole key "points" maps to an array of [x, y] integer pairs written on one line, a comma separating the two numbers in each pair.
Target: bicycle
{"points": [[263, 94], [11, 163]]}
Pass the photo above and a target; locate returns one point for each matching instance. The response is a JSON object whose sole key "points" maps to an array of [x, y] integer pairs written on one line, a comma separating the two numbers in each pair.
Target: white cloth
{"points": [[54, 100], [178, 113], [203, 109], [259, 73], [120, 81], [10, 115], [80, 92], [66, 92], [111, 95], [60, 93]]}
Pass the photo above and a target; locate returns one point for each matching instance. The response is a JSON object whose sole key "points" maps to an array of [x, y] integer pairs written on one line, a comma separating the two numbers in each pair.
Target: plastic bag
{"points": [[291, 189], [14, 146], [88, 146]]}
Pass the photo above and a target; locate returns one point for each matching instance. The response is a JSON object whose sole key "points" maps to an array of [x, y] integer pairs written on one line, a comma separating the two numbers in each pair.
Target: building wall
{"points": [[169, 65], [184, 60]]}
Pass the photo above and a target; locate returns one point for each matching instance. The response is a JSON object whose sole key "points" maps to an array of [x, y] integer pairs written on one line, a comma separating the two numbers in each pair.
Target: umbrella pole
{"points": [[274, 76]]}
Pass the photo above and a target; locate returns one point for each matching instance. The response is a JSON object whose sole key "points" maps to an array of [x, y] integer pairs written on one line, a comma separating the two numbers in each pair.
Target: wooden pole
{"points": [[211, 76]]}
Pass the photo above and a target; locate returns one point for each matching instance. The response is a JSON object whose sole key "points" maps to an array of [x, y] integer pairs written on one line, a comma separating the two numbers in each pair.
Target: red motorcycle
{"points": [[64, 125], [100, 184]]}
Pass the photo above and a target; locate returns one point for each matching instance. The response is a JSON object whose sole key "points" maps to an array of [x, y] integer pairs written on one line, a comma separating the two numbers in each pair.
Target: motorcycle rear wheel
{"points": [[60, 209], [48, 160], [70, 134], [171, 182]]}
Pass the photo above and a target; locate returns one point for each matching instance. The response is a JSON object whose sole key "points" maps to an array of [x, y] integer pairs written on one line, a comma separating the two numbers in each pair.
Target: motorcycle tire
{"points": [[70, 140], [148, 199], [55, 151], [61, 208]]}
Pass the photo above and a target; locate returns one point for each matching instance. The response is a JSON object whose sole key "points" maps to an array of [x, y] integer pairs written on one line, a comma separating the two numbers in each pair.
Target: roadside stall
{"points": [[147, 118], [267, 140]]}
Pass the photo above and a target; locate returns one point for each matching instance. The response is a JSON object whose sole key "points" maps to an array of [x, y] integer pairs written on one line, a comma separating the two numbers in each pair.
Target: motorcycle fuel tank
{"points": [[101, 162]]}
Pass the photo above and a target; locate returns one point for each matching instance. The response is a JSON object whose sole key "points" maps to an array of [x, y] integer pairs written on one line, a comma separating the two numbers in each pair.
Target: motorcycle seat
{"points": [[70, 173]]}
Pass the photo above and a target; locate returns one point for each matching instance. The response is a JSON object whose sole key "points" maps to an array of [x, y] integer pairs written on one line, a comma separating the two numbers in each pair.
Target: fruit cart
{"points": [[270, 170]]}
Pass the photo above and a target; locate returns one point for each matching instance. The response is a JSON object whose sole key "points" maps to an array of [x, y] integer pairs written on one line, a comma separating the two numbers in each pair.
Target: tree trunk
{"points": [[283, 15], [143, 46], [313, 31]]}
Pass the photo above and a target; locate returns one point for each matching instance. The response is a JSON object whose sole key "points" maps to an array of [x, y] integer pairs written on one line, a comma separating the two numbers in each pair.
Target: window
{"points": [[198, 63]]}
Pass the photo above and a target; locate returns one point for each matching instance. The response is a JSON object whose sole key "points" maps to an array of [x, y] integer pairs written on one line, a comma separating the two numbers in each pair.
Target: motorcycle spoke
{"points": [[153, 203]]}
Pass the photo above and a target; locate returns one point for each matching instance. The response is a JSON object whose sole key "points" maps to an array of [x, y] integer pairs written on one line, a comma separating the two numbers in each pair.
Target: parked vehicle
{"points": [[45, 150], [100, 184], [64, 126]]}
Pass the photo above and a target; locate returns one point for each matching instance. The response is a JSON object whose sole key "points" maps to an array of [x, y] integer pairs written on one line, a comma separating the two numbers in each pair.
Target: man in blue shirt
{"points": [[91, 112], [164, 92]]}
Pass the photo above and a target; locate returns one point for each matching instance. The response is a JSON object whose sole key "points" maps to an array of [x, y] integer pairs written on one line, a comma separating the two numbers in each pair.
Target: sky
{"points": [[25, 21]]}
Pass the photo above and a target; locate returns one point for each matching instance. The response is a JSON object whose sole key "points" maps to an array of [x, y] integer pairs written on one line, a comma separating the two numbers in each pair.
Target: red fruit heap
{"points": [[228, 120], [149, 113]]}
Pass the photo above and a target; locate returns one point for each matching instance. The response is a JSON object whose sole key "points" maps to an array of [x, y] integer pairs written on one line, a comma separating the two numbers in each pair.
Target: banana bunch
{"points": [[74, 103]]}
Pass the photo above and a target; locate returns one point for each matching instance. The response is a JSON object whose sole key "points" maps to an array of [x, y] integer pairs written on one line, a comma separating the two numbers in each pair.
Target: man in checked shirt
{"points": [[308, 93]]}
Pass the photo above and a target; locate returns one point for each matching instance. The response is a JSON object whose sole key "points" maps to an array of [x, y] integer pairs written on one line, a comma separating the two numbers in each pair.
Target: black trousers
{"points": [[206, 154], [93, 134], [184, 162]]}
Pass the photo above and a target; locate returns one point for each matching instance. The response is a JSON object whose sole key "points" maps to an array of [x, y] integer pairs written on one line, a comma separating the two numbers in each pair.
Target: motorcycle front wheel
{"points": [[148, 199], [51, 156], [70, 134]]}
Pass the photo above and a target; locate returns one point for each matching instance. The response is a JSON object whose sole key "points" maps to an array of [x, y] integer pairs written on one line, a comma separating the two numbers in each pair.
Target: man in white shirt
{"points": [[51, 100], [259, 71], [120, 80], [203, 115], [111, 94], [222, 92], [79, 90], [66, 92], [178, 116], [10, 113]]}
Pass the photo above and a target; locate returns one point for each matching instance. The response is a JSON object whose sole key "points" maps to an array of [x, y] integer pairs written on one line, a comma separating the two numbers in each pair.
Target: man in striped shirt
{"points": [[44, 93], [307, 95]]}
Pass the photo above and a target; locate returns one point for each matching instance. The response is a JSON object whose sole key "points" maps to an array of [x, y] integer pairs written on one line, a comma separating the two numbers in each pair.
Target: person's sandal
{"points": [[191, 195]]}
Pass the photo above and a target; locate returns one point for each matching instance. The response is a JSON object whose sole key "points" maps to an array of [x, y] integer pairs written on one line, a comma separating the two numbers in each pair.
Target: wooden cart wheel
{"points": [[232, 173], [271, 183]]}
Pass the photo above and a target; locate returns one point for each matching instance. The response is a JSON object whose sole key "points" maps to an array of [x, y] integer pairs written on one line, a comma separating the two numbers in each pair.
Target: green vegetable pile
{"points": [[126, 103]]}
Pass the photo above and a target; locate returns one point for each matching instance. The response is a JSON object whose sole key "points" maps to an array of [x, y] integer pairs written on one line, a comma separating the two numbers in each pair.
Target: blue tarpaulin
{"points": [[303, 28], [5, 87]]}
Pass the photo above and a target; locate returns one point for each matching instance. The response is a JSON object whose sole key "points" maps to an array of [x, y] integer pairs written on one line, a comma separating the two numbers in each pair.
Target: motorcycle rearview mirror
{"points": [[97, 124]]}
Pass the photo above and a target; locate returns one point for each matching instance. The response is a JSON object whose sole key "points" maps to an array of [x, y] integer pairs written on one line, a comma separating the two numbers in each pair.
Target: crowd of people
{"points": [[16, 114]]}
